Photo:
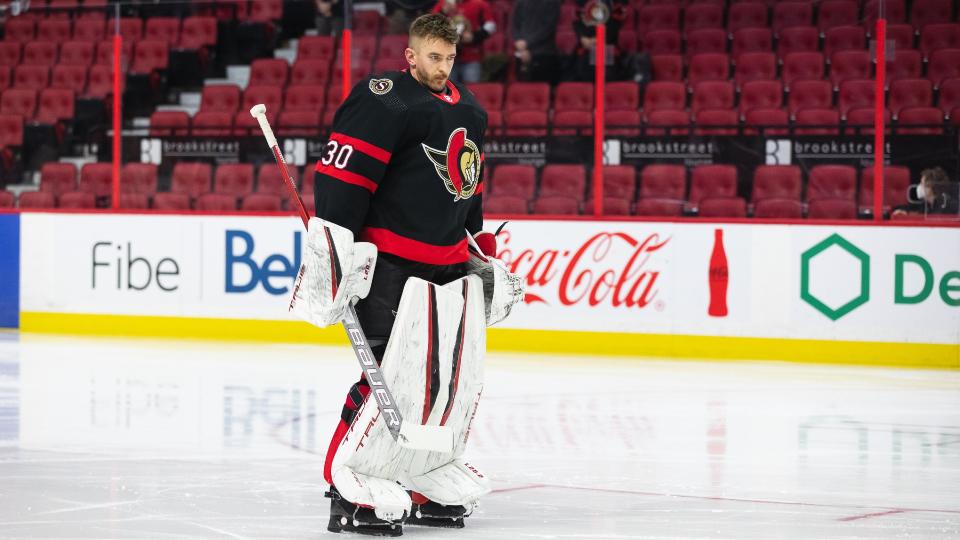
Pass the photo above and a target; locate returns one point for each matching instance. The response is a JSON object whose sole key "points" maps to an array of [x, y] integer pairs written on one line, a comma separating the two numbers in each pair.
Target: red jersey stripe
{"points": [[348, 177], [414, 250], [371, 150]]}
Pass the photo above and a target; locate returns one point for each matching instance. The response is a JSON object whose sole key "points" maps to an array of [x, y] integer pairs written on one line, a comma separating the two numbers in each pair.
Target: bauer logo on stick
{"points": [[459, 165], [380, 86]]}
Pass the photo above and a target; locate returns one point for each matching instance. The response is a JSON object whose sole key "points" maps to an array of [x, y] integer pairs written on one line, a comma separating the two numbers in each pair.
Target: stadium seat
{"points": [[751, 40], [393, 46], [908, 93], [566, 41], [138, 178], [488, 94], [722, 207], [928, 12], [760, 95], [527, 97], [216, 202], [668, 122], [100, 82], [526, 123], [269, 71], [755, 67], [778, 209], [663, 182], [844, 38], [77, 53], [37, 199], [7, 199], [269, 95], [104, 54], [190, 179], [220, 98], [310, 72], [291, 123], [627, 41], [171, 202], [824, 120], [894, 11], [791, 14], [5, 78], [619, 181], [19, 101], [716, 122], [798, 39], [930, 118], [836, 13], [855, 95], [832, 182], [712, 95], [166, 29], [624, 123], [234, 179], [30, 77], [708, 67], [77, 200], [366, 22], [934, 37], [269, 180], [266, 11], [776, 182], [860, 120], [40, 53], [902, 36], [134, 201], [810, 95], [96, 178], [949, 96], [573, 122], [708, 181], [10, 53], [664, 96], [801, 66], [20, 29], [573, 96], [667, 67], [746, 15], [563, 180], [773, 121], [832, 209], [515, 181], [896, 180], [316, 48], [703, 15], [655, 207], [622, 96], [198, 32], [11, 131], [706, 40], [58, 178], [150, 56], [505, 204], [307, 179], [612, 206], [944, 64], [261, 202], [657, 17], [90, 30], [245, 125], [556, 205], [850, 65], [131, 28], [212, 124], [70, 77], [908, 64], [169, 123], [56, 105]]}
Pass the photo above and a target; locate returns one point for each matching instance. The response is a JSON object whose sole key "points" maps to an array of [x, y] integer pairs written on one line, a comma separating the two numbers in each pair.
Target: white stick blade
{"points": [[432, 438]]}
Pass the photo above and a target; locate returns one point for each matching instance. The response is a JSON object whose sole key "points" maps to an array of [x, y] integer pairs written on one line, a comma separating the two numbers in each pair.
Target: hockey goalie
{"points": [[398, 233]]}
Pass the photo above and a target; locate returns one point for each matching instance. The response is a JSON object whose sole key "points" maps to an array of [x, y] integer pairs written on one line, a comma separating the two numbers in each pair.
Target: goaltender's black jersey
{"points": [[403, 168]]}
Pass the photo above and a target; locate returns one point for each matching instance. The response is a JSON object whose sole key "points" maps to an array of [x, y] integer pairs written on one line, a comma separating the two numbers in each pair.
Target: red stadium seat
{"points": [[824, 120], [619, 181], [850, 65], [776, 182], [316, 48], [266, 11], [104, 55], [894, 11], [672, 122], [802, 66], [166, 29], [92, 30], [755, 67], [832, 182], [488, 94], [707, 181], [746, 15], [612, 206], [58, 178], [294, 123], [773, 121], [712, 95], [760, 95], [703, 15], [528, 97], [944, 64], [844, 38], [908, 93], [832, 209], [835, 13], [269, 95], [37, 199], [861, 120], [19, 101], [56, 104], [366, 22], [527, 123], [716, 122], [261, 202], [798, 39], [131, 28], [902, 35], [778, 209], [751, 40], [927, 12], [573, 96], [722, 207], [77, 53], [269, 71], [663, 182], [149, 56], [11, 131], [656, 207], [191, 179], [5, 78], [234, 179], [556, 205], [934, 37], [505, 204], [10, 52], [393, 46], [624, 123], [96, 178], [664, 96], [855, 95], [930, 118], [20, 29], [706, 40], [622, 96], [220, 98], [138, 178], [171, 202], [6, 199], [949, 95], [212, 124], [30, 77], [896, 180], [73, 78], [907, 64], [198, 32], [269, 180], [310, 72], [100, 82], [573, 122], [708, 67], [627, 41], [515, 181], [791, 14], [77, 200], [134, 201], [167, 123], [651, 17], [216, 202], [662, 41], [563, 180], [40, 53], [810, 95], [667, 67]]}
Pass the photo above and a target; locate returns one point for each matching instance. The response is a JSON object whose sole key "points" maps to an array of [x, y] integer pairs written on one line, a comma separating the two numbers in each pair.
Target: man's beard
{"points": [[425, 80]]}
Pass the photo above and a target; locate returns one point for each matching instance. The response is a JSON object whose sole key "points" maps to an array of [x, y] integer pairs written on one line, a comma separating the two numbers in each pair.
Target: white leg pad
{"points": [[388, 500], [457, 482]]}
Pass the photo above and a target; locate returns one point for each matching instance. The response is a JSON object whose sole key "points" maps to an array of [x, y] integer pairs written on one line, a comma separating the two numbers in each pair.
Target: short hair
{"points": [[937, 178], [434, 26]]}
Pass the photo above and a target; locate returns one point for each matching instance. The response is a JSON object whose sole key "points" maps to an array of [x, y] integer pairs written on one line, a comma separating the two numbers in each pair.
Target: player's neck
{"points": [[446, 88]]}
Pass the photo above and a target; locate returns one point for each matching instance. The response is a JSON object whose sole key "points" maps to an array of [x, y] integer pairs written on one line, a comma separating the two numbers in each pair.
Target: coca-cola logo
{"points": [[610, 268]]}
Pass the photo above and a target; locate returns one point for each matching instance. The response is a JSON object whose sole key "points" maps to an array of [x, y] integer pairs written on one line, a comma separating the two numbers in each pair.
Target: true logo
{"points": [[380, 86], [459, 165]]}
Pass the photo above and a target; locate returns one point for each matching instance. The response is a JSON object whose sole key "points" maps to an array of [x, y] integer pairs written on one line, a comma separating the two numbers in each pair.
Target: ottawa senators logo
{"points": [[380, 86], [459, 165]]}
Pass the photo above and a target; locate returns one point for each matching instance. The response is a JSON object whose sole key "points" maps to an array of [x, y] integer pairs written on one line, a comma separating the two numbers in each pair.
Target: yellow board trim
{"points": [[906, 355]]}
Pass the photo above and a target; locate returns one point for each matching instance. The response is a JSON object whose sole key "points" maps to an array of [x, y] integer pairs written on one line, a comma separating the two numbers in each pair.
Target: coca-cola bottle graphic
{"points": [[718, 277]]}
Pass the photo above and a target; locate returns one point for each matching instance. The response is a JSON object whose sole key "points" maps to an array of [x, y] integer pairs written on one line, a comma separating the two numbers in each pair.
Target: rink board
{"points": [[813, 293]]}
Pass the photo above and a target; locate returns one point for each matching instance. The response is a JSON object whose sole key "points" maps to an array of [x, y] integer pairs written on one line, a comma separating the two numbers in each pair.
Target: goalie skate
{"points": [[348, 517]]}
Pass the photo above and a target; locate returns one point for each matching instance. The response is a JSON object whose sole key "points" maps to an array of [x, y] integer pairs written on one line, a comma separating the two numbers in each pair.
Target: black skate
{"points": [[348, 517], [431, 514]]}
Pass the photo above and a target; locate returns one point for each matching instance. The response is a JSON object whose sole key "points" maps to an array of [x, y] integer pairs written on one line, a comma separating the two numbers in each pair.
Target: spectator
{"points": [[936, 194], [587, 38], [474, 21], [329, 17], [534, 25]]}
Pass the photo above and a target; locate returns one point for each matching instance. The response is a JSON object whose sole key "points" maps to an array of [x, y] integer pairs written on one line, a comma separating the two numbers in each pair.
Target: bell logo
{"points": [[841, 266]]}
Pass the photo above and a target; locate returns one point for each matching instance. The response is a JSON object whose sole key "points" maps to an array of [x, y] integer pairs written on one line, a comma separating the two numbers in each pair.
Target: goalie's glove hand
{"points": [[502, 289], [336, 271]]}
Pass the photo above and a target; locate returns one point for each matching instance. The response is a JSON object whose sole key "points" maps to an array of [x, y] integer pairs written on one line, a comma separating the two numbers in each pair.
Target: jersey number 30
{"points": [[336, 153]]}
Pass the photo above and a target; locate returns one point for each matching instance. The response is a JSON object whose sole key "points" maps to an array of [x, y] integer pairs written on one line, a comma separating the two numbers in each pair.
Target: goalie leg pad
{"points": [[434, 366], [456, 483], [335, 270], [389, 501]]}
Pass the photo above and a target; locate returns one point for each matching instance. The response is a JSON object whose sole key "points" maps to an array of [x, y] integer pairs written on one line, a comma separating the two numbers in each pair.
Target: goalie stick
{"points": [[415, 436]]}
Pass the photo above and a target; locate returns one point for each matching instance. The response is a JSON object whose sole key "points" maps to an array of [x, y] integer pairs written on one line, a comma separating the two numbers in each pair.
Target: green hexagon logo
{"points": [[834, 313]]}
